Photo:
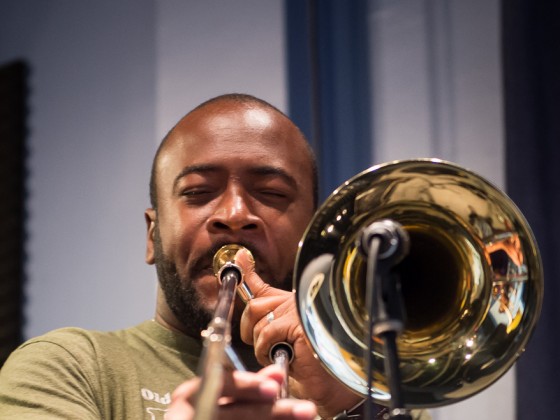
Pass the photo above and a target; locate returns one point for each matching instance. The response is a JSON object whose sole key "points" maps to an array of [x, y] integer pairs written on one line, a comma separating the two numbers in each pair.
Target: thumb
{"points": [[244, 259]]}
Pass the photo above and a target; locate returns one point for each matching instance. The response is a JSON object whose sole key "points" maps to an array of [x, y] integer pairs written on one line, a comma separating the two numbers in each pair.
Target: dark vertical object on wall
{"points": [[13, 110], [531, 59], [302, 74], [329, 84]]}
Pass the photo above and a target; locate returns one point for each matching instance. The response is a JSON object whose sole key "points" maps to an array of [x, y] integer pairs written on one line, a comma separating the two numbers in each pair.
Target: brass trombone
{"points": [[472, 284]]}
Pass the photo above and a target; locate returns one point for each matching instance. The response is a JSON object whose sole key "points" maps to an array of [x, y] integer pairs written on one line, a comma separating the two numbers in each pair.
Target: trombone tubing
{"points": [[216, 339]]}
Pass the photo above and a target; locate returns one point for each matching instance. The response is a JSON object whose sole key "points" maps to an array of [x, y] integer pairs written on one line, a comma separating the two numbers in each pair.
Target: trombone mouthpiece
{"points": [[225, 259]]}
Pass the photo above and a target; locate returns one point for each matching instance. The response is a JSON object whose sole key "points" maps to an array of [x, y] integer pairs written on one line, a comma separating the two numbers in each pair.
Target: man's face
{"points": [[228, 174]]}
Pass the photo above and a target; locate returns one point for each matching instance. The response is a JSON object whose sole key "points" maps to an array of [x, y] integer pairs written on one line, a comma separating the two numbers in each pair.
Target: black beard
{"points": [[183, 299]]}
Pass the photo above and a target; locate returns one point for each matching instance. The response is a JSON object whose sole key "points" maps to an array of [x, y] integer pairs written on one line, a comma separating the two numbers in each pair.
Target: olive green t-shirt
{"points": [[72, 373]]}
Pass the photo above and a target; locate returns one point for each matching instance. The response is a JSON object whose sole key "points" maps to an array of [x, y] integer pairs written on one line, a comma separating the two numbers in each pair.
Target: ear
{"points": [[150, 216]]}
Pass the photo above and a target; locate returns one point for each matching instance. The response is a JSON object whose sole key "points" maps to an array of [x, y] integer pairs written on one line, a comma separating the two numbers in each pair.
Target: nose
{"points": [[234, 213]]}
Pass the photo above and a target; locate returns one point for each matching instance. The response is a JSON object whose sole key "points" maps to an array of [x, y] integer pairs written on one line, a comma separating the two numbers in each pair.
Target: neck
{"points": [[165, 317]]}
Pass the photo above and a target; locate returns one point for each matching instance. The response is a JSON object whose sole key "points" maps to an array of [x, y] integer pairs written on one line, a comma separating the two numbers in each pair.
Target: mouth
{"points": [[203, 265], [205, 262]]}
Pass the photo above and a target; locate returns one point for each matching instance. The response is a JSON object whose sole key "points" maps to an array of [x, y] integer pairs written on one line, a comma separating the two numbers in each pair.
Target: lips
{"points": [[202, 265]]}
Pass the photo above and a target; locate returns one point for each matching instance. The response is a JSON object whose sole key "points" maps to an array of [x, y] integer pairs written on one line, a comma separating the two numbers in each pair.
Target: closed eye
{"points": [[198, 195], [273, 193], [274, 198]]}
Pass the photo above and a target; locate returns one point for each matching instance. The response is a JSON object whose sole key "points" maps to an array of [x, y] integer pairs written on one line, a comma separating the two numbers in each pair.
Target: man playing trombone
{"points": [[235, 170]]}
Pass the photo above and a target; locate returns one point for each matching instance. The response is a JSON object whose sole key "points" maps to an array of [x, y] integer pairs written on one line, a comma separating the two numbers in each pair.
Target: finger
{"points": [[288, 408], [286, 311], [254, 315], [281, 329], [187, 390], [262, 386], [180, 410], [244, 259], [247, 264], [182, 400], [284, 409]]}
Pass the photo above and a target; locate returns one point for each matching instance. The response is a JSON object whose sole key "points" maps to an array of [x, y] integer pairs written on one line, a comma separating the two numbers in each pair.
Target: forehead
{"points": [[235, 138]]}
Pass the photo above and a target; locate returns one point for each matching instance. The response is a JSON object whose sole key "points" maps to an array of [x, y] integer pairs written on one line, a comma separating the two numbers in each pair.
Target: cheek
{"points": [[288, 233], [181, 230], [301, 220]]}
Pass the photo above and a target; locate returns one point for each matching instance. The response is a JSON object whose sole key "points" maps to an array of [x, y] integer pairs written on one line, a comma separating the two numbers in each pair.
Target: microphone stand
{"points": [[385, 243]]}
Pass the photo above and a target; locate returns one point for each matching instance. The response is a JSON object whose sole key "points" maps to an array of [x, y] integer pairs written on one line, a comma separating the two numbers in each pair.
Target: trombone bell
{"points": [[472, 282]]}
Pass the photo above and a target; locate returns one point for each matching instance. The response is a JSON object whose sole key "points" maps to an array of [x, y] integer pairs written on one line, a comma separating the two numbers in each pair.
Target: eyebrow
{"points": [[193, 169], [264, 170], [276, 172]]}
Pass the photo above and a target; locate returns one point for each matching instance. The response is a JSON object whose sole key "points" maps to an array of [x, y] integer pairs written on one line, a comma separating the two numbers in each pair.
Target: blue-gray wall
{"points": [[108, 79]]}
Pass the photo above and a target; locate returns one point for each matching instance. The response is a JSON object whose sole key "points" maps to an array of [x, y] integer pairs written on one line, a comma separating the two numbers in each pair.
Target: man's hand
{"points": [[244, 395], [308, 379]]}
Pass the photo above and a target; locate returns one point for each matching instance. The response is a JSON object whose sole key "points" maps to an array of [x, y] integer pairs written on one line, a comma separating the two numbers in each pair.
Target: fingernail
{"points": [[250, 257]]}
